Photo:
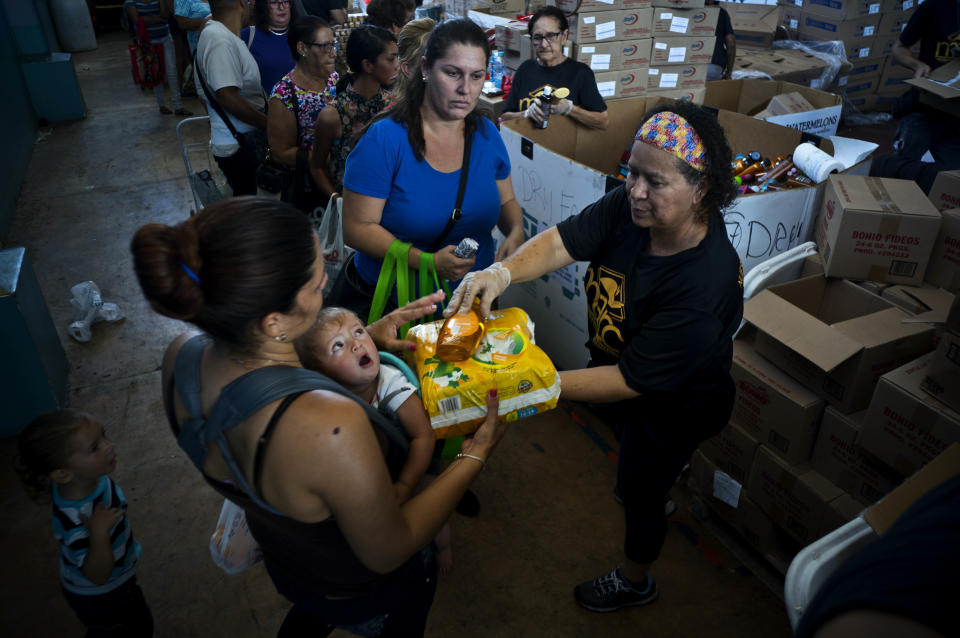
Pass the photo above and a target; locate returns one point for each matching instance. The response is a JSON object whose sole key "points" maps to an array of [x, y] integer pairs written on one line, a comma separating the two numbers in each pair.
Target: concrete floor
{"points": [[548, 518]]}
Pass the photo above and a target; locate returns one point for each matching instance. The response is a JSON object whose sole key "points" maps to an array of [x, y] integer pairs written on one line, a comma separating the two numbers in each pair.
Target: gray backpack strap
{"points": [[186, 375]]}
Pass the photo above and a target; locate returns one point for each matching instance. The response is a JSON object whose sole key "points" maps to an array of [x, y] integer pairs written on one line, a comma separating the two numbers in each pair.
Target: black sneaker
{"points": [[611, 592]]}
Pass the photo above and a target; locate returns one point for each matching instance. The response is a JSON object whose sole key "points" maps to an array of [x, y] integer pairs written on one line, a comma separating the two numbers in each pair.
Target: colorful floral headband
{"points": [[672, 133]]}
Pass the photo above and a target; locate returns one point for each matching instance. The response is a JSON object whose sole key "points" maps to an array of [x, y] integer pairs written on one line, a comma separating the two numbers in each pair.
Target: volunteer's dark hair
{"points": [[719, 188], [389, 13], [407, 109], [261, 13], [44, 446], [366, 42], [302, 30], [550, 12], [250, 256]]}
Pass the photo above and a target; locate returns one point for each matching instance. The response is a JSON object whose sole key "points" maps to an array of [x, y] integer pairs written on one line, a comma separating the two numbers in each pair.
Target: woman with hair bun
{"points": [[310, 465], [411, 41], [361, 94]]}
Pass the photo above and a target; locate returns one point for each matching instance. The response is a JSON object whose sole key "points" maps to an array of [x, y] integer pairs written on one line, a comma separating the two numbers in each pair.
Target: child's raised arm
{"points": [[416, 422], [98, 564]]}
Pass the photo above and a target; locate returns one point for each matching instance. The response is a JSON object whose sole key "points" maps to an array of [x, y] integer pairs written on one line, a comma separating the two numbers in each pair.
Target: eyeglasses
{"points": [[325, 47], [549, 36], [278, 3]]}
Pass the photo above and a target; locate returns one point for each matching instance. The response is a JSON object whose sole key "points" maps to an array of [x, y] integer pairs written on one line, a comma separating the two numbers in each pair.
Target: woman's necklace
{"points": [[278, 31]]}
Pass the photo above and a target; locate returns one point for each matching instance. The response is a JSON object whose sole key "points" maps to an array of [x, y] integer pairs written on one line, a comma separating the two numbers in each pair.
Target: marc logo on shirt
{"points": [[525, 102], [604, 288], [948, 49]]}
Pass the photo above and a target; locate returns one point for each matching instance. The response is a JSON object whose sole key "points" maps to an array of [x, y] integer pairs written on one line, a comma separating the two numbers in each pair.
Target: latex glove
{"points": [[564, 107], [487, 284], [534, 113], [451, 267]]}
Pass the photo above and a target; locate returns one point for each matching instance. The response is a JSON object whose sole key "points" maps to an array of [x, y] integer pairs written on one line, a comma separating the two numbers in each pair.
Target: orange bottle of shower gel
{"points": [[459, 336]]}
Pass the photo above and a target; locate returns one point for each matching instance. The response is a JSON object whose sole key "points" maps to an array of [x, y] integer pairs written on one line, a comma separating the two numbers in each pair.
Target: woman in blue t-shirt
{"points": [[402, 177], [267, 40]]}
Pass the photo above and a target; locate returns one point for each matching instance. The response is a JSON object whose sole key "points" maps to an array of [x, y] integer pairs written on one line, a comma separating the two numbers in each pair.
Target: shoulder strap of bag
{"points": [[212, 99], [457, 209], [242, 398], [395, 269], [251, 33]]}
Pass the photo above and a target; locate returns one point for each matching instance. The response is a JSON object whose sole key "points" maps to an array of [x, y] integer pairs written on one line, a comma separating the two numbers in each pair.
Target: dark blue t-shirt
{"points": [[419, 198], [272, 55]]}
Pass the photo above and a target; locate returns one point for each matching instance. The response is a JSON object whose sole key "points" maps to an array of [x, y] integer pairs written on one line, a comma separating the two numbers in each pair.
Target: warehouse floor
{"points": [[548, 518]]}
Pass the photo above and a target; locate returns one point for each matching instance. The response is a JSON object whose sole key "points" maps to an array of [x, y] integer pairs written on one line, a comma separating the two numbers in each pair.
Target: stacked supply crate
{"points": [[683, 42], [839, 392]]}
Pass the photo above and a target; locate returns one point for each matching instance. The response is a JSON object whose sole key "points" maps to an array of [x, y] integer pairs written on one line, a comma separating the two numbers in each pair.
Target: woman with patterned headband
{"points": [[665, 294]]}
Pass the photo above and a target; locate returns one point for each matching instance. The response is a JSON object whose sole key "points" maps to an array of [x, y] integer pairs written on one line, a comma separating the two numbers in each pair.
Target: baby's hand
{"points": [[102, 520]]}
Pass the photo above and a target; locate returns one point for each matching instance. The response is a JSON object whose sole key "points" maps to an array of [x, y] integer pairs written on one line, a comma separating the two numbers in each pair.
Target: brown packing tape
{"points": [[890, 224], [879, 192], [877, 273]]}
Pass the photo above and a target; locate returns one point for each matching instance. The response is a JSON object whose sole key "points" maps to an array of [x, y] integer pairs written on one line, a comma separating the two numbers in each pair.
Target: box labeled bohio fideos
{"points": [[877, 229]]}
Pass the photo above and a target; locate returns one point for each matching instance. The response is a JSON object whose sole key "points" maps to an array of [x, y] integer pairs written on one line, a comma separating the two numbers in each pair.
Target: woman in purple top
{"points": [[267, 40]]}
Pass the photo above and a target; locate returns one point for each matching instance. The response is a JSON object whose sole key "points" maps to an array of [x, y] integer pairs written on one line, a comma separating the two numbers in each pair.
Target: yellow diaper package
{"points": [[455, 393]]}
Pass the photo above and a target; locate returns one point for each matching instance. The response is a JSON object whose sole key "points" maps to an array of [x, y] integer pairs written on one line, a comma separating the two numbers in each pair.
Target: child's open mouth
{"points": [[365, 361]]}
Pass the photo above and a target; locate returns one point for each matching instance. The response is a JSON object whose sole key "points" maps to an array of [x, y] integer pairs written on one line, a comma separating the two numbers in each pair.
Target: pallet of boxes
{"points": [[873, 81], [847, 379], [643, 48]]}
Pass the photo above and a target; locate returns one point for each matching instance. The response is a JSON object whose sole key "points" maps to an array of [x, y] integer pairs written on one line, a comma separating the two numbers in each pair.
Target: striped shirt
{"points": [[145, 8], [75, 539]]}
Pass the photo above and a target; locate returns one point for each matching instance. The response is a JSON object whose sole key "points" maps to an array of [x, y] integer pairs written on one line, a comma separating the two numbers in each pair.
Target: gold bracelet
{"points": [[475, 458]]}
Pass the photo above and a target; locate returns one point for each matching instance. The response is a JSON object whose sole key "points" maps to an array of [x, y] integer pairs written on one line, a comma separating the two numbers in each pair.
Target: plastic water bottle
{"points": [[497, 69]]}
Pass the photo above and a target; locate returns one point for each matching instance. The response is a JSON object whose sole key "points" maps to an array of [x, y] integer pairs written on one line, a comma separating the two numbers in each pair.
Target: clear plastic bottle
{"points": [[496, 69], [546, 99]]}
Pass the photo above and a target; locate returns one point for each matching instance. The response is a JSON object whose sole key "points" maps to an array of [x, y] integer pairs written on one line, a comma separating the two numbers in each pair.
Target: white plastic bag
{"points": [[232, 546], [330, 230], [89, 308]]}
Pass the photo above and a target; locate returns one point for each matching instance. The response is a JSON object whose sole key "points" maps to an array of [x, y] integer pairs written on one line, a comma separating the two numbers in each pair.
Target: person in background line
{"points": [[374, 66], [232, 75], [154, 14], [191, 16], [725, 49], [66, 453], [664, 292], [332, 11], [410, 44], [267, 40], [549, 31], [936, 26], [390, 14]]}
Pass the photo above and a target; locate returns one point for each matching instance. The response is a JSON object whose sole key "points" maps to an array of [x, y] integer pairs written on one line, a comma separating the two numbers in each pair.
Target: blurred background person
{"points": [[267, 40], [333, 11], [390, 14], [155, 14], [191, 15], [725, 49]]}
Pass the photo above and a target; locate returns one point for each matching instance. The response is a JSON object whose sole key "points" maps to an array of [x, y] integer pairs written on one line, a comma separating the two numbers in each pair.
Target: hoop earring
{"points": [[282, 337]]}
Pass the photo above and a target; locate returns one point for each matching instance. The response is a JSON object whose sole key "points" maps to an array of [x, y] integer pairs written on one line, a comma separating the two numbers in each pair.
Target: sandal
{"points": [[165, 110], [184, 112]]}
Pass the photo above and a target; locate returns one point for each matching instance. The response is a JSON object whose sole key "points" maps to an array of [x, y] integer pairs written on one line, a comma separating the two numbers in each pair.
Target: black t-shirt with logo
{"points": [[936, 25], [570, 74], [667, 322]]}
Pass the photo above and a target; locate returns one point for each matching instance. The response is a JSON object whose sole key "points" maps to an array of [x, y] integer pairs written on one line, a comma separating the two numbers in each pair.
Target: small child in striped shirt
{"points": [[66, 453]]}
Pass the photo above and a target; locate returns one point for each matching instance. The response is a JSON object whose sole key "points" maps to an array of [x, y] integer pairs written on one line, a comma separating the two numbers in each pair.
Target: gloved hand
{"points": [[564, 107], [534, 113], [486, 284]]}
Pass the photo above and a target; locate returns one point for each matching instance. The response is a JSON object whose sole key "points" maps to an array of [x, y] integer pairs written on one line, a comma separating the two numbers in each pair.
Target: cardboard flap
{"points": [[879, 327], [943, 82], [800, 331]]}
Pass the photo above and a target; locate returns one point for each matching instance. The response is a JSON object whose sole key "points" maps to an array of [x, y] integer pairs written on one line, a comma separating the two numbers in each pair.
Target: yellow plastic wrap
{"points": [[455, 393]]}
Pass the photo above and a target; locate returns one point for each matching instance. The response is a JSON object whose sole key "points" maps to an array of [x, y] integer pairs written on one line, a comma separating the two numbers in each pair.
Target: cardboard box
{"points": [[672, 51], [637, 24], [622, 83], [732, 451], [892, 85], [863, 103], [870, 68], [944, 267], [680, 4], [812, 265], [560, 170], [754, 25], [839, 512], [751, 96], [783, 64], [941, 469], [511, 8], [787, 104], [591, 6], [772, 406], [941, 88], [677, 22], [905, 427], [604, 56], [599, 26], [866, 86], [834, 337], [689, 95], [842, 9], [919, 300], [943, 377], [692, 76], [859, 31], [894, 70], [945, 192], [795, 497], [840, 461], [507, 36], [876, 228], [790, 19], [892, 23], [722, 492], [899, 6], [883, 44], [490, 107], [635, 54]]}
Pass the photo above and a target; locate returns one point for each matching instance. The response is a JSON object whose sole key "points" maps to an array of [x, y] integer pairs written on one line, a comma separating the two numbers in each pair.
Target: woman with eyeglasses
{"points": [[549, 30], [305, 90], [267, 39]]}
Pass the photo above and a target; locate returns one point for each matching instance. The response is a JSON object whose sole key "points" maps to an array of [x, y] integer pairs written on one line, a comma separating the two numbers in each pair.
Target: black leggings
{"points": [[398, 609], [653, 451], [119, 613]]}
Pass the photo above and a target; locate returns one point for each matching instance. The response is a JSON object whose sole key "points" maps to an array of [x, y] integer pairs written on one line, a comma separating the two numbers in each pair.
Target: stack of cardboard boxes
{"points": [[643, 47], [842, 390]]}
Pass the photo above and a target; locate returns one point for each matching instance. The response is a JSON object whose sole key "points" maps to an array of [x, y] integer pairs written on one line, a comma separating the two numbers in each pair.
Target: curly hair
{"points": [[45, 445], [261, 14], [717, 179]]}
